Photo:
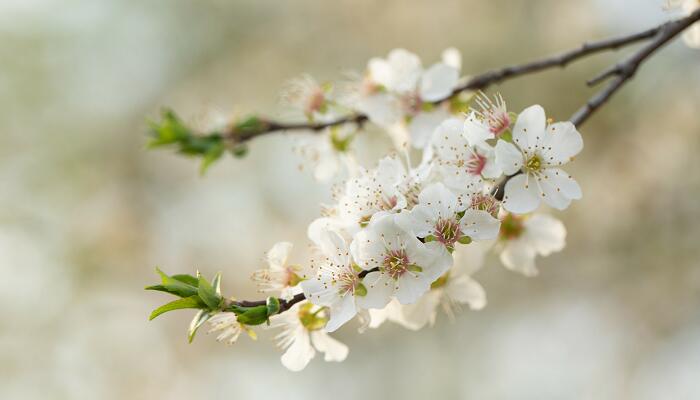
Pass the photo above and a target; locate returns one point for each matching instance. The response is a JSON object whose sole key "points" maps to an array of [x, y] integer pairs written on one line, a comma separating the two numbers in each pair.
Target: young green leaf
{"points": [[208, 294], [179, 304], [176, 286]]}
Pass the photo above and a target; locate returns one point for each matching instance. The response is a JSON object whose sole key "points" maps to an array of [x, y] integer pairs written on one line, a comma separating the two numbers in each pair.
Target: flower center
{"points": [[312, 321], [498, 122], [315, 102], [447, 231], [485, 202], [511, 227], [476, 164], [396, 263], [534, 164], [411, 103]]}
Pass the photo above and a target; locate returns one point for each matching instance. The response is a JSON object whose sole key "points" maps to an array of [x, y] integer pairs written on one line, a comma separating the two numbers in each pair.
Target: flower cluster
{"points": [[403, 240]]}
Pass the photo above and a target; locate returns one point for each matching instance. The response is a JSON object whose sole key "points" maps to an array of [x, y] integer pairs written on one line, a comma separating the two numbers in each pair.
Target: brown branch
{"points": [[477, 82]]}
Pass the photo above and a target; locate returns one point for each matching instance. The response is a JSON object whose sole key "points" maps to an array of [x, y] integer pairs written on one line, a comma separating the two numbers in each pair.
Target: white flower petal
{"points": [[518, 256], [440, 199], [278, 254], [479, 225], [333, 349], [420, 220], [508, 158], [406, 69], [562, 142], [466, 290], [530, 128], [448, 141], [438, 82], [379, 290], [545, 234], [380, 71], [300, 352], [476, 131], [423, 125], [415, 316], [521, 194], [411, 286], [341, 312], [452, 57]]}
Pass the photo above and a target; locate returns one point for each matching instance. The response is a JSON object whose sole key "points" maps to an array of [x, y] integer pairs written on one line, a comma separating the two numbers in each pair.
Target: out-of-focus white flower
{"points": [[524, 237], [302, 335], [337, 284], [280, 276], [398, 93], [406, 267], [538, 151], [306, 95], [227, 328], [373, 191], [441, 217], [489, 122], [462, 166], [327, 153], [691, 36]]}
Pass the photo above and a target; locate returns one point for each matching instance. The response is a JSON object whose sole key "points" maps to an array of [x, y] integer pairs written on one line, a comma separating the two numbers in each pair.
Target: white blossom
{"points": [[302, 335], [227, 327], [490, 121], [524, 237], [538, 150], [280, 276], [405, 267]]}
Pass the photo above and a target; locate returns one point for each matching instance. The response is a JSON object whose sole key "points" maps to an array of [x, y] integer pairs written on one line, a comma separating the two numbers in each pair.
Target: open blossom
{"points": [[538, 150], [462, 166], [490, 121], [306, 95], [327, 153], [280, 276], [524, 237], [398, 90], [373, 191], [302, 335], [441, 217], [227, 327], [405, 266], [337, 284], [448, 293]]}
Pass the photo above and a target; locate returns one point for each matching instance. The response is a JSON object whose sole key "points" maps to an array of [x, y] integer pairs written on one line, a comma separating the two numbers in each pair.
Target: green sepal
{"points": [[210, 156], [360, 289], [179, 304], [429, 238], [198, 320], [251, 315], [208, 294], [465, 240], [273, 305]]}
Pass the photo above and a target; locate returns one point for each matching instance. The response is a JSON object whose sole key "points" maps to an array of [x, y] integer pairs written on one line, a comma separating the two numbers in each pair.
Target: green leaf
{"points": [[179, 304], [187, 278], [198, 320], [208, 294], [174, 286], [211, 155]]}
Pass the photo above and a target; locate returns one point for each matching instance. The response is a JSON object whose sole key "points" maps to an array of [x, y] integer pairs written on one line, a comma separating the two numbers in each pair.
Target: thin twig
{"points": [[477, 82]]}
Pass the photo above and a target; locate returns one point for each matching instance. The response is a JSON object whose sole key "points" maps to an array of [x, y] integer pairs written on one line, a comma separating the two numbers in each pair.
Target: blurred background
{"points": [[86, 213]]}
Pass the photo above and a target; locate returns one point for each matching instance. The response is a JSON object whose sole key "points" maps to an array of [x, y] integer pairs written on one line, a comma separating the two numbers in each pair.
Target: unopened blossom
{"points": [[306, 95], [303, 335], [337, 284], [462, 166], [280, 276], [523, 237], [441, 217], [401, 265], [537, 152], [398, 90], [489, 121], [227, 327]]}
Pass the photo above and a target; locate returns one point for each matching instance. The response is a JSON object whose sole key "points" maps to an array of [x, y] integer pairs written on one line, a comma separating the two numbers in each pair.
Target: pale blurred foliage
{"points": [[86, 213]]}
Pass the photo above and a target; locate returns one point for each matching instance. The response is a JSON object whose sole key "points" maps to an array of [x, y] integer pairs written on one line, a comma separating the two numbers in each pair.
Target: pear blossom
{"points": [[306, 95], [327, 153], [337, 284], [488, 122], [302, 336], [523, 237], [400, 264], [227, 328], [437, 218], [280, 276], [537, 151], [462, 166], [398, 90]]}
